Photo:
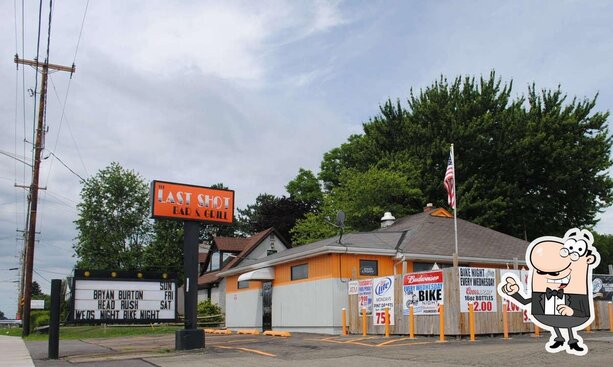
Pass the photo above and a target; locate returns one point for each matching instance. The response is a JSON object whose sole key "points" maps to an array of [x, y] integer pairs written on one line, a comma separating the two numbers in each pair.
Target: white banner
{"points": [[383, 296], [353, 287], [522, 275], [478, 285]]}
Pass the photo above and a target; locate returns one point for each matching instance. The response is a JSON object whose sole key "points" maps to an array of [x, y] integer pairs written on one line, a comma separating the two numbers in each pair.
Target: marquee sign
{"points": [[123, 298], [187, 202]]}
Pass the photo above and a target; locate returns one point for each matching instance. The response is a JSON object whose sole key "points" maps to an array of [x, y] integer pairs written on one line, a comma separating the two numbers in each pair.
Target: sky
{"points": [[246, 93]]}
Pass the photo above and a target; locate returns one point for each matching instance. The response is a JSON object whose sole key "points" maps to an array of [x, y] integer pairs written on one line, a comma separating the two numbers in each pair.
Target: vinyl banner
{"points": [[353, 287], [478, 285], [423, 291], [365, 295], [383, 296]]}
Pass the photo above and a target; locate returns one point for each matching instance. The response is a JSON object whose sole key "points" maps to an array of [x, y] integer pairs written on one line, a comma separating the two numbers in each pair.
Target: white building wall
{"points": [[244, 309], [312, 306], [261, 251]]}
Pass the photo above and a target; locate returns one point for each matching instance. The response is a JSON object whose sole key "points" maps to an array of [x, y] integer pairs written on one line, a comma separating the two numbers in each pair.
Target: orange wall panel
{"points": [[232, 285]]}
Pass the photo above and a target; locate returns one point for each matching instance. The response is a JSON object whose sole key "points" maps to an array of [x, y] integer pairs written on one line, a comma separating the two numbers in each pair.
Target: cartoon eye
{"points": [[569, 246], [581, 247]]}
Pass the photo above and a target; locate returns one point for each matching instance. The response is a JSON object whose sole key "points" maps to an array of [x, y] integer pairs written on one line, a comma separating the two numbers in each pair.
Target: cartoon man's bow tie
{"points": [[551, 292]]}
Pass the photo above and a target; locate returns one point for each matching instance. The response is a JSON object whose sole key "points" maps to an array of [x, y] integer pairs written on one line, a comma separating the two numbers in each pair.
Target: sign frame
{"points": [[184, 217], [121, 276]]}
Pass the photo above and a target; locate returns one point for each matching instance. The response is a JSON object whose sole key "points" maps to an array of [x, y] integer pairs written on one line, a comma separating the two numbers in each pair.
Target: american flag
{"points": [[449, 183]]}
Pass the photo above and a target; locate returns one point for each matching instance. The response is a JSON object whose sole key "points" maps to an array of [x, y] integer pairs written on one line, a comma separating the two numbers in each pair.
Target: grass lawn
{"points": [[86, 332]]}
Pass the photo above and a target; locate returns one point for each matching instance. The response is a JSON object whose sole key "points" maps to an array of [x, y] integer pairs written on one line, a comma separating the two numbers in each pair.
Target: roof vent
{"points": [[387, 220], [428, 207]]}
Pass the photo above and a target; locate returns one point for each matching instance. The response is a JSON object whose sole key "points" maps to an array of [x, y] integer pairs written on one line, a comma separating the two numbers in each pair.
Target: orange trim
{"points": [[440, 212]]}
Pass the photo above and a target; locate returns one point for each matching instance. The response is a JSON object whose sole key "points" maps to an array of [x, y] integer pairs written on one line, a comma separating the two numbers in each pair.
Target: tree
{"points": [[113, 224], [364, 197], [36, 291], [527, 166], [305, 188], [604, 244], [2, 317], [165, 252], [271, 211]]}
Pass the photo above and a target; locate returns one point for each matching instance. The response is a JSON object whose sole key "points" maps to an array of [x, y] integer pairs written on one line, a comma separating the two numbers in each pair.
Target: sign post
{"points": [[191, 337], [54, 320], [191, 204]]}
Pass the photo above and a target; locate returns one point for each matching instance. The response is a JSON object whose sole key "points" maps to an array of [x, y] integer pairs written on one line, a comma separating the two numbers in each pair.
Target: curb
{"points": [[277, 333], [248, 332]]}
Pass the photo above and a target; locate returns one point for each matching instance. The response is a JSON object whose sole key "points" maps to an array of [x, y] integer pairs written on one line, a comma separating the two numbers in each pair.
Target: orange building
{"points": [[304, 288]]}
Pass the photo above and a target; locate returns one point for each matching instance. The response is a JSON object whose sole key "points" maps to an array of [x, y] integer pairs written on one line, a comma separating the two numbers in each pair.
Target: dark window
{"points": [[300, 272], [243, 284], [369, 267]]}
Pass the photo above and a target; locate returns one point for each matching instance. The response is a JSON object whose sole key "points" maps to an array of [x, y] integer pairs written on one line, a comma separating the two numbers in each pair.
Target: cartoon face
{"points": [[562, 264]]}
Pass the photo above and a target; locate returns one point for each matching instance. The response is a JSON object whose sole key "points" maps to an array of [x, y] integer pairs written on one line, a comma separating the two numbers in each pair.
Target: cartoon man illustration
{"points": [[561, 294]]}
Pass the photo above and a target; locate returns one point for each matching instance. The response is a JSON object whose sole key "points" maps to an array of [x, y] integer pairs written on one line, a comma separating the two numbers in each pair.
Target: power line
{"points": [[64, 164], [40, 13], [62, 117]]}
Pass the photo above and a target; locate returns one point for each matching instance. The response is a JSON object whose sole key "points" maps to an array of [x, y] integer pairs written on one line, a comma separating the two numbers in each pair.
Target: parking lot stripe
{"points": [[232, 341], [248, 350], [414, 343], [391, 341], [345, 342]]}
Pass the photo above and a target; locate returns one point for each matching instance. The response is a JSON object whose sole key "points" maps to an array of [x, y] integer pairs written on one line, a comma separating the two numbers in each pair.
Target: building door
{"points": [[267, 305]]}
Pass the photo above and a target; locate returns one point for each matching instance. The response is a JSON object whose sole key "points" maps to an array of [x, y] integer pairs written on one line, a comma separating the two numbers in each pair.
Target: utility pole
{"points": [[38, 147]]}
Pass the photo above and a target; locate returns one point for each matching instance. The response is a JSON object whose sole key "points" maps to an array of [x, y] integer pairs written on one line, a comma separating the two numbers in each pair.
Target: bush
{"points": [[207, 308], [38, 319]]}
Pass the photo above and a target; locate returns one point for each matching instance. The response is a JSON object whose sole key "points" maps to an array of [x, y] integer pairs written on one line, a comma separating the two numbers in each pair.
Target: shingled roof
{"points": [[427, 236], [432, 233]]}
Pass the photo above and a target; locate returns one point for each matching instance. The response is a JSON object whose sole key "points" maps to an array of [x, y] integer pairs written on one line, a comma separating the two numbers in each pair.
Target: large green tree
{"points": [[113, 220], [525, 165]]}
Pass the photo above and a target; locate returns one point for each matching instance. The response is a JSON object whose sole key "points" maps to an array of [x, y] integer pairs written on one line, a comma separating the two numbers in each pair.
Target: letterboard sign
{"points": [[123, 299]]}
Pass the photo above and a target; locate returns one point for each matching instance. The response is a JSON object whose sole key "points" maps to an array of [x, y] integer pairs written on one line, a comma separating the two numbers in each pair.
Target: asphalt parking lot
{"points": [[322, 350]]}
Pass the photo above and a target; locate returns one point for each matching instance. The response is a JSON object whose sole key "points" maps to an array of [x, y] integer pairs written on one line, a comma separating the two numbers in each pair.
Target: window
{"points": [[243, 284], [300, 271], [226, 258], [369, 267], [213, 262]]}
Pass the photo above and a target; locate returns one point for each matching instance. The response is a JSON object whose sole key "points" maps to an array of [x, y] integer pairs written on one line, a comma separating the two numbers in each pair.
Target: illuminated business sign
{"points": [[188, 202], [123, 299]]}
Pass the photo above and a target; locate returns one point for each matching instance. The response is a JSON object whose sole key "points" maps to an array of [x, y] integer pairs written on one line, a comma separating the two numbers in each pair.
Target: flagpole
{"points": [[455, 203]]}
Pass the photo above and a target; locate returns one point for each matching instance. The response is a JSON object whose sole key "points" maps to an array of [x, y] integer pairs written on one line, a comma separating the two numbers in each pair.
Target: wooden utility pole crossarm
{"points": [[69, 69], [31, 233]]}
